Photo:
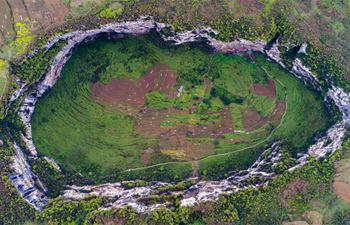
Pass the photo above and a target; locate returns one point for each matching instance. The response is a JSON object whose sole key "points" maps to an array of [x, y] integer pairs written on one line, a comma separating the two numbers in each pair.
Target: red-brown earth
{"points": [[132, 92], [268, 90], [128, 95], [183, 140], [252, 119]]}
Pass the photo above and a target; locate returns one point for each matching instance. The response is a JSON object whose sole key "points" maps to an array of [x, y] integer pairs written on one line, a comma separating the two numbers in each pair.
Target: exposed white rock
{"points": [[302, 48], [179, 91], [329, 143], [20, 90], [189, 36], [31, 189], [275, 54], [303, 73], [342, 101], [201, 191], [53, 163], [238, 46], [335, 135]]}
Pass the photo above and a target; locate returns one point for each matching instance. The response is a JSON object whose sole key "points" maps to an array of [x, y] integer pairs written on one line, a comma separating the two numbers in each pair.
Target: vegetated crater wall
{"points": [[30, 187]]}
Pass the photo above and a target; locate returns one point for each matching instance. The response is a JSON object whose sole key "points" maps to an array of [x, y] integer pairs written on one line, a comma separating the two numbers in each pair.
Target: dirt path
{"points": [[195, 173]]}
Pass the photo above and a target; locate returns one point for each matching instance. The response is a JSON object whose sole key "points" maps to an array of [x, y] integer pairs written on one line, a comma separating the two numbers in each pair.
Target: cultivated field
{"points": [[131, 109]]}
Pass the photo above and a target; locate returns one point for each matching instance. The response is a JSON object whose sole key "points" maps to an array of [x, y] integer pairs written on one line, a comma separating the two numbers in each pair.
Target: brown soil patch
{"points": [[214, 130], [252, 4], [268, 90], [207, 85], [277, 112], [183, 141], [341, 182], [146, 155], [148, 122], [132, 92], [246, 7], [193, 148], [342, 190], [44, 14], [184, 138], [252, 120], [293, 188]]}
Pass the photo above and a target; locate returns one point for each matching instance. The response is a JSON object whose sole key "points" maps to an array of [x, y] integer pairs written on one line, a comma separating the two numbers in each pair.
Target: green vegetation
{"points": [[13, 210], [103, 139], [23, 38], [17, 211], [113, 11], [81, 9], [53, 179], [323, 70], [294, 130], [324, 24], [286, 198], [61, 211], [33, 68], [158, 100], [168, 173]]}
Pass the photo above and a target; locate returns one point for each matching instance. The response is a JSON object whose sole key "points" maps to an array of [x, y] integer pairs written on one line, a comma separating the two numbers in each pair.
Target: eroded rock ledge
{"points": [[33, 190]]}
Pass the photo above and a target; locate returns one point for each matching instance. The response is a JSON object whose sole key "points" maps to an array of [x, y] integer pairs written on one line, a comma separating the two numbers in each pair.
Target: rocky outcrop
{"points": [[275, 54], [303, 73], [53, 163], [302, 49], [335, 135], [202, 190], [26, 182]]}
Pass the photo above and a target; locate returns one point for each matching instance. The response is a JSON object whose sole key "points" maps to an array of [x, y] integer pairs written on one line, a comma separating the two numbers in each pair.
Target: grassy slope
{"points": [[303, 108], [102, 140], [98, 138], [94, 133]]}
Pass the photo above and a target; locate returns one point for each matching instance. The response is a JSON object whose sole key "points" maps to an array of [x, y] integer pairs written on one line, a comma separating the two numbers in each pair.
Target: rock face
{"points": [[26, 181], [275, 54], [303, 73], [335, 135], [202, 190]]}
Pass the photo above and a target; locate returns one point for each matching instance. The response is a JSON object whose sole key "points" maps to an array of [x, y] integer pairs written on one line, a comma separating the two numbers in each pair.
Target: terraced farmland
{"points": [[132, 109]]}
